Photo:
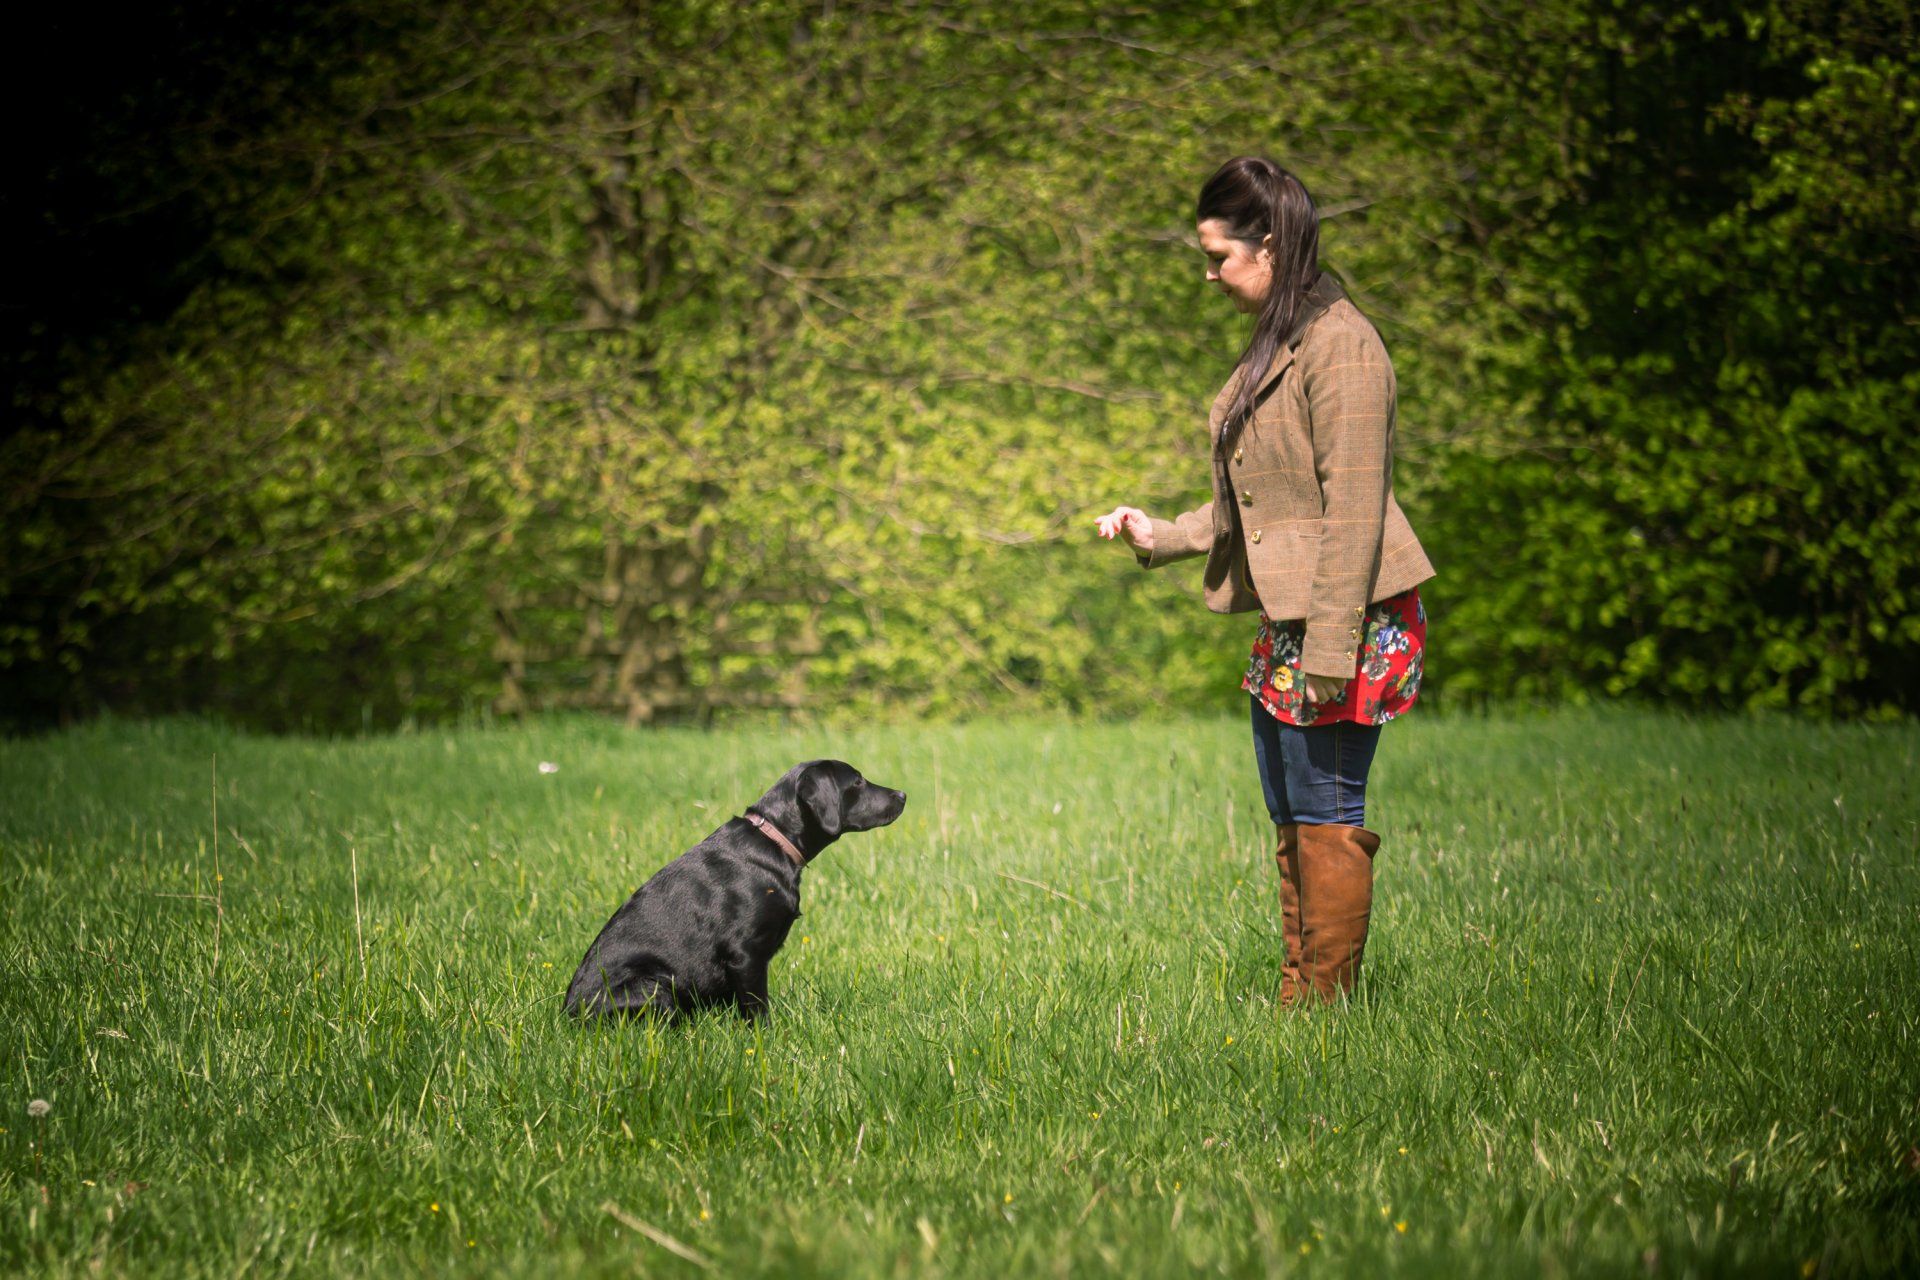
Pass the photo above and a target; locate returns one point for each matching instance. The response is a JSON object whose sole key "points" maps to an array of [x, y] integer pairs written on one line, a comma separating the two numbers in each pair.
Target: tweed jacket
{"points": [[1303, 524]]}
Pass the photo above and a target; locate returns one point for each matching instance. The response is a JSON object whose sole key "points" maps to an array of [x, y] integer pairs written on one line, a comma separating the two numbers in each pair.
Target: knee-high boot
{"points": [[1336, 902], [1287, 855]]}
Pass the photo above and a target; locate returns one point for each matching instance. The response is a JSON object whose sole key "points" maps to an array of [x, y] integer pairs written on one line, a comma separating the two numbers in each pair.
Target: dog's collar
{"points": [[779, 837]]}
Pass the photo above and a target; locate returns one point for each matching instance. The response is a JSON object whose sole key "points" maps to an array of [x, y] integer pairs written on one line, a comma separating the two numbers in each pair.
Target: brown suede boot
{"points": [[1287, 853], [1336, 900]]}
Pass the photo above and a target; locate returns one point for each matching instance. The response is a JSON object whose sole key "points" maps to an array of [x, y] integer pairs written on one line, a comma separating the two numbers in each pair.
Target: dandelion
{"points": [[434, 1207], [1401, 1227], [1403, 1151], [88, 1182], [38, 1109], [749, 1053], [704, 1215], [469, 1244], [1305, 1248], [1229, 1039], [1008, 1199], [1385, 1209]]}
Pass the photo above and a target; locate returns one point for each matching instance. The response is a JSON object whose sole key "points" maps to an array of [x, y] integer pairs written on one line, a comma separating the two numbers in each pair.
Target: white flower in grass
{"points": [[39, 1107], [548, 766]]}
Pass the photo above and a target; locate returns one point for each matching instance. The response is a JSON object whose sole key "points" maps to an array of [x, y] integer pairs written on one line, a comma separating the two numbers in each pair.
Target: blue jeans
{"points": [[1316, 774]]}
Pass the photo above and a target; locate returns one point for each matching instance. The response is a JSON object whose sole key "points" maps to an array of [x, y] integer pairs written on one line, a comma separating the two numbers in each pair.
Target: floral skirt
{"points": [[1385, 682]]}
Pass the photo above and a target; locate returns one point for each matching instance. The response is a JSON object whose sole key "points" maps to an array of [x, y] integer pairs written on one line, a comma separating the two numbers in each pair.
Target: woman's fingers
{"points": [[1324, 688], [1121, 519]]}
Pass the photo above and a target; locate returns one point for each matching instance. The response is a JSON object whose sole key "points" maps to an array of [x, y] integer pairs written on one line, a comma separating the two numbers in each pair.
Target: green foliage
{"points": [[813, 338], [1711, 496]]}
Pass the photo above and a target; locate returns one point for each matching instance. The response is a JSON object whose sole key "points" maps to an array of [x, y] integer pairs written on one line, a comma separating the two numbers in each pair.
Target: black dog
{"points": [[702, 930]]}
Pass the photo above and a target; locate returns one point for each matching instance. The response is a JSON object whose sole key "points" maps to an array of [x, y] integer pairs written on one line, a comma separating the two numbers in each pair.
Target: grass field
{"points": [[1643, 996]]}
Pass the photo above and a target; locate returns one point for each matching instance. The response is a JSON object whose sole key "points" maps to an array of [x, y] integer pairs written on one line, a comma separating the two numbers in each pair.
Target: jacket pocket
{"points": [[1280, 559]]}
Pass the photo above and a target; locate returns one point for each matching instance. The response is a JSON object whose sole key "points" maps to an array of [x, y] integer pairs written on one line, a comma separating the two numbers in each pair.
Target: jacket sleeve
{"points": [[1349, 387], [1186, 535]]}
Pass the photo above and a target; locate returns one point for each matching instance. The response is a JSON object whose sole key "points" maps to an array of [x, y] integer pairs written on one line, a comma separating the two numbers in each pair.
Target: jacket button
{"points": [[1238, 454], [1358, 610], [1255, 535], [1353, 633], [1349, 655], [1246, 498]]}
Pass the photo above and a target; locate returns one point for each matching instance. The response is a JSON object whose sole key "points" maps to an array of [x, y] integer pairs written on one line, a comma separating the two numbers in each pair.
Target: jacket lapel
{"points": [[1220, 403]]}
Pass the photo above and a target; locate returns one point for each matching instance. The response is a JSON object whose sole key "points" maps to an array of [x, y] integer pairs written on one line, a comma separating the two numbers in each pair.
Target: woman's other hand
{"points": [[1324, 688], [1130, 522]]}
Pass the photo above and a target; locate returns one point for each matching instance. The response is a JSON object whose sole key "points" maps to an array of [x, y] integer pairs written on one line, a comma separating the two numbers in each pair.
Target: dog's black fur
{"points": [[702, 930]]}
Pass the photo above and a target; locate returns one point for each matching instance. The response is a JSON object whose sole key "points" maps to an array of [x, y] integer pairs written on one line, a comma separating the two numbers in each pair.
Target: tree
{"points": [[675, 358], [1704, 492]]}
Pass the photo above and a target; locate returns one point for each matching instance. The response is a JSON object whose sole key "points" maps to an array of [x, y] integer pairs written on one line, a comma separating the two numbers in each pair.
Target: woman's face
{"points": [[1238, 268]]}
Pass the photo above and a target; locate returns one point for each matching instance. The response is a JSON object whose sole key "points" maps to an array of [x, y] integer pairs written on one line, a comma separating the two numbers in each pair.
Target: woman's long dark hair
{"points": [[1256, 197]]}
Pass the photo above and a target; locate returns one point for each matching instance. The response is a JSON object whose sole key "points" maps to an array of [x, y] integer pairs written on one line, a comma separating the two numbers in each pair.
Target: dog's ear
{"points": [[822, 793]]}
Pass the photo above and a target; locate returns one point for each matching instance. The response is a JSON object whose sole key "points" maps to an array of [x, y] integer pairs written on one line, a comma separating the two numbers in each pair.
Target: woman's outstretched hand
{"points": [[1129, 522]]}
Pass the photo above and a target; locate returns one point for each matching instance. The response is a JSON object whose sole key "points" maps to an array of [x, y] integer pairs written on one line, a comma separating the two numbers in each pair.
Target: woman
{"points": [[1304, 528]]}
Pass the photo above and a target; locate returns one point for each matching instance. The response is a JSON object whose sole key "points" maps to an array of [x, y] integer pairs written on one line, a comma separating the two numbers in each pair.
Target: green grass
{"points": [[1641, 996]]}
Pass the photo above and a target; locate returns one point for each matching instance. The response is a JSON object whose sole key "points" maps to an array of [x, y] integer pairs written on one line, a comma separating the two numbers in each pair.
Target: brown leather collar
{"points": [[779, 837]]}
